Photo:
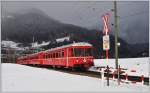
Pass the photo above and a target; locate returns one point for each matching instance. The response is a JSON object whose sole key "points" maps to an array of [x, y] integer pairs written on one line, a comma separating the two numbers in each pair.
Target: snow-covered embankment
{"points": [[21, 78]]}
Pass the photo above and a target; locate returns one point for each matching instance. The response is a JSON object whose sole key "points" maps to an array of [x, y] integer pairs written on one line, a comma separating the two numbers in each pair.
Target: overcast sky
{"points": [[88, 14]]}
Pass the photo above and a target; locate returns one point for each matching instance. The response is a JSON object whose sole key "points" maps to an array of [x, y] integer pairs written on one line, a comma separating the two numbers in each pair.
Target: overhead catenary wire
{"points": [[126, 18], [132, 15]]}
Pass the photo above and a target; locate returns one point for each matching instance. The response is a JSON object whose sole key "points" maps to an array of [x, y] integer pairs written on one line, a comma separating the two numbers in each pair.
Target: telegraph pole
{"points": [[116, 36]]}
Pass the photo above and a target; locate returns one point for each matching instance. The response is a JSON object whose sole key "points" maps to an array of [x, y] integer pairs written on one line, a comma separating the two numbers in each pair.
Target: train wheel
{"points": [[78, 68], [49, 66], [82, 68], [61, 67], [73, 68], [58, 67], [54, 67]]}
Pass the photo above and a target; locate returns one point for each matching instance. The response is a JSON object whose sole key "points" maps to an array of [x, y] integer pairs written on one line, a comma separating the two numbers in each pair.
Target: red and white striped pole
{"points": [[142, 79], [126, 77], [113, 75], [106, 41], [105, 32]]}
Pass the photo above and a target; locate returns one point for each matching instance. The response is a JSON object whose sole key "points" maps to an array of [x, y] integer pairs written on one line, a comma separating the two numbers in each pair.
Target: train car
{"points": [[36, 58], [70, 56], [73, 55]]}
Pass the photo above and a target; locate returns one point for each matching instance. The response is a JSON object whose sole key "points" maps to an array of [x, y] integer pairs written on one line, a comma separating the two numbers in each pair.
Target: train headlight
{"points": [[84, 60]]}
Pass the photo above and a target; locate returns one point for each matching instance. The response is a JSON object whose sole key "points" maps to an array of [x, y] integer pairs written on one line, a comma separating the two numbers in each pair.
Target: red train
{"points": [[70, 56]]}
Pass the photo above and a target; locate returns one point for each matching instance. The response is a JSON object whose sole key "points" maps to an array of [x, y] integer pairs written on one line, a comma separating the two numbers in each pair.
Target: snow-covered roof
{"points": [[40, 45], [81, 44], [63, 39]]}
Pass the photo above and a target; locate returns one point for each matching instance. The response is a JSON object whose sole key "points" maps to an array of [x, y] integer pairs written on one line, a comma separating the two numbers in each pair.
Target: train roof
{"points": [[73, 44], [81, 44], [31, 54]]}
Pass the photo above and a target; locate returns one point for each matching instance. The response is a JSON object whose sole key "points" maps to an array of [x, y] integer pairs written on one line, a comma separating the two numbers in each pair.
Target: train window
{"points": [[47, 56], [82, 52], [78, 52], [50, 55], [58, 54], [62, 53], [72, 50], [53, 55], [88, 51], [32, 57]]}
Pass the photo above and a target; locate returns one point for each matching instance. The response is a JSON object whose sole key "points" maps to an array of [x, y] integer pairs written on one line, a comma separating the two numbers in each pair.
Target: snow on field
{"points": [[21, 78], [140, 65]]}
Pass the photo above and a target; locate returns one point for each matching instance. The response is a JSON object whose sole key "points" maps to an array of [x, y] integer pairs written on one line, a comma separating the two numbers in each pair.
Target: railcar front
{"points": [[81, 56]]}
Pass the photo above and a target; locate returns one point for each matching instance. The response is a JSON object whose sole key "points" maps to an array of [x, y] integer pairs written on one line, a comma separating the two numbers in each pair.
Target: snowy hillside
{"points": [[20, 78], [133, 66], [10, 44]]}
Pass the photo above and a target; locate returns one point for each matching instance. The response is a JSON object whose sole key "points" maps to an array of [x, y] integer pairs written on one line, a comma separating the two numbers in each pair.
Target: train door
{"points": [[41, 58], [67, 57], [63, 57]]}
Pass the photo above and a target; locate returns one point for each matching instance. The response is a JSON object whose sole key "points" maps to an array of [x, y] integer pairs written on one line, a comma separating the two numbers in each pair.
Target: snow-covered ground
{"points": [[21, 78], [133, 66]]}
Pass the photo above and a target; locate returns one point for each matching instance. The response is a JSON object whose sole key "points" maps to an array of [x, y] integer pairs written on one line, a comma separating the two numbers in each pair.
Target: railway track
{"points": [[97, 74]]}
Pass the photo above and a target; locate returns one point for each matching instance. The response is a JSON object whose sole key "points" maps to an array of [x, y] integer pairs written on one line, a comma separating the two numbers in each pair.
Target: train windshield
{"points": [[82, 52]]}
